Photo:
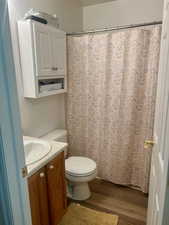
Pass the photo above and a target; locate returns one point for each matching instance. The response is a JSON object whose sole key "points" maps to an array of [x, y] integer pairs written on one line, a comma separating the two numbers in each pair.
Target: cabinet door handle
{"points": [[54, 68], [42, 175], [51, 167]]}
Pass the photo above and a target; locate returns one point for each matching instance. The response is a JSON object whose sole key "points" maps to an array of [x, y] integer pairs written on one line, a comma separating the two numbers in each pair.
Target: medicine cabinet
{"points": [[43, 59]]}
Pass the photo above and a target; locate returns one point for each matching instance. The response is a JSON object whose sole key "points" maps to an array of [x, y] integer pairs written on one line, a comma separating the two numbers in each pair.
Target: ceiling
{"points": [[93, 2]]}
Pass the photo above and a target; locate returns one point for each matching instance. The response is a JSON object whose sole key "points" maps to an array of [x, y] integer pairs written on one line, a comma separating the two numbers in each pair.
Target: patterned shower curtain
{"points": [[112, 80]]}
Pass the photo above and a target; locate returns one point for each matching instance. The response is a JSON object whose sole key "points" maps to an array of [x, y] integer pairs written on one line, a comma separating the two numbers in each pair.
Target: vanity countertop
{"points": [[56, 148]]}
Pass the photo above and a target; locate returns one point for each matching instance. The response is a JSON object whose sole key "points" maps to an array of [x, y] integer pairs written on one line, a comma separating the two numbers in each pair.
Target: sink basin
{"points": [[35, 150]]}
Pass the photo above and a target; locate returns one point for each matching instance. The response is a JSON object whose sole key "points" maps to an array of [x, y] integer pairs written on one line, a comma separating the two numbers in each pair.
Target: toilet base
{"points": [[78, 191]]}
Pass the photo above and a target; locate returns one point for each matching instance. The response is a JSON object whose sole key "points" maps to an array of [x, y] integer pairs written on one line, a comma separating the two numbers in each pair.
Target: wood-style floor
{"points": [[130, 205]]}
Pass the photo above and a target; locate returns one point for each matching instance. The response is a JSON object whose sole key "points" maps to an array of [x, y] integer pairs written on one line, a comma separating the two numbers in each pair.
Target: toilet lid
{"points": [[80, 166]]}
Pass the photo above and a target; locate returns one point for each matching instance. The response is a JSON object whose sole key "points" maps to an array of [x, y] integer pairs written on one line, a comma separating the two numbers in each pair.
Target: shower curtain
{"points": [[112, 80]]}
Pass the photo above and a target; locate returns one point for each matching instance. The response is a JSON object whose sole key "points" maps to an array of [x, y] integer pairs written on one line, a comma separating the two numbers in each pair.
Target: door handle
{"points": [[149, 143]]}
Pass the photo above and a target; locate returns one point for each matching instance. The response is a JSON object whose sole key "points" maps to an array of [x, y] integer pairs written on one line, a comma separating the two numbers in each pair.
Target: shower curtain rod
{"points": [[116, 28]]}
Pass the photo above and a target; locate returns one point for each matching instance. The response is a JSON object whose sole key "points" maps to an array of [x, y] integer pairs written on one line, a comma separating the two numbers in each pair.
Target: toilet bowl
{"points": [[79, 171]]}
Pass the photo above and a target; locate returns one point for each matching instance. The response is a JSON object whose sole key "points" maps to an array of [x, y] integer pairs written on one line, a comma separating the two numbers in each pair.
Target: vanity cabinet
{"points": [[39, 198], [47, 192], [56, 189]]}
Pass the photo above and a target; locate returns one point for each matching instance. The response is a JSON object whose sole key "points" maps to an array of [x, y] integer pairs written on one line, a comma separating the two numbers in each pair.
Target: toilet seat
{"points": [[80, 166]]}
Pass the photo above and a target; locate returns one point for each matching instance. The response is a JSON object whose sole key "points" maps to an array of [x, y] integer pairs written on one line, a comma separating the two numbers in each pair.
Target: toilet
{"points": [[79, 170]]}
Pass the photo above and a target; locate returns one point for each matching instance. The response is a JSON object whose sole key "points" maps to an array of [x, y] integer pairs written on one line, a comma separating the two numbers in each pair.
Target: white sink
{"points": [[35, 150]]}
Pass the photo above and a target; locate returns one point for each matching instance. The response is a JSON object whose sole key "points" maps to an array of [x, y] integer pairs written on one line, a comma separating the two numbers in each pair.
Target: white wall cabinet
{"points": [[43, 59]]}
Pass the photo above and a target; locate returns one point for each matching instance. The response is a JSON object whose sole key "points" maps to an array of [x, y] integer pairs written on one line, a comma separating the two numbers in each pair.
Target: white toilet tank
{"points": [[59, 135]]}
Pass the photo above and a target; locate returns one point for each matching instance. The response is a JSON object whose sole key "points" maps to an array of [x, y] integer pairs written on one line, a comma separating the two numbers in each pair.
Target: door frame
{"points": [[159, 190], [14, 200]]}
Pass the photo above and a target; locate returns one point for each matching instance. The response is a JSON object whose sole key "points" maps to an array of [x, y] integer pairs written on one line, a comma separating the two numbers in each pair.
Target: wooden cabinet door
{"points": [[38, 198], [56, 189]]}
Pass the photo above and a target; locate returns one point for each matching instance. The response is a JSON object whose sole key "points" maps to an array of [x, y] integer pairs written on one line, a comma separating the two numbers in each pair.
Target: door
{"points": [[58, 52], [56, 188], [14, 204], [160, 154], [38, 198], [43, 51]]}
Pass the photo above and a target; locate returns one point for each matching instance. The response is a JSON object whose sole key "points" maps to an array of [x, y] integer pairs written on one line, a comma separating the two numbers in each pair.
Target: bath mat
{"points": [[79, 215]]}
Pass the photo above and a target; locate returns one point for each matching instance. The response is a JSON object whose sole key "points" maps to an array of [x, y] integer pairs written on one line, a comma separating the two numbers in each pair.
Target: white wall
{"points": [[121, 12], [42, 115]]}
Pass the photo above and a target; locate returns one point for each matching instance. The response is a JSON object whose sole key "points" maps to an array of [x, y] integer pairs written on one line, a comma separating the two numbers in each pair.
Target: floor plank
{"points": [[130, 205]]}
